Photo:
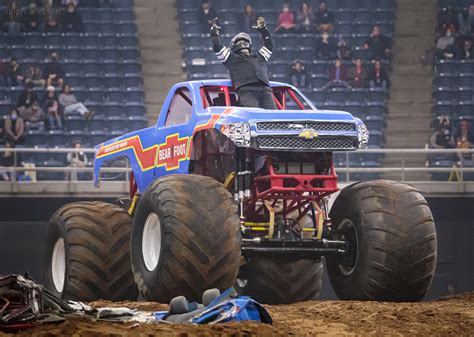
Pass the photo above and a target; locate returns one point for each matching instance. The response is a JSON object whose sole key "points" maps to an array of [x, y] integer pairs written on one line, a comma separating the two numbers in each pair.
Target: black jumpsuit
{"points": [[249, 73]]}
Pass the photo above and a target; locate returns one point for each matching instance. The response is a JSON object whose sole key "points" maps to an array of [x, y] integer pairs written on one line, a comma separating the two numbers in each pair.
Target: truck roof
{"points": [[227, 82]]}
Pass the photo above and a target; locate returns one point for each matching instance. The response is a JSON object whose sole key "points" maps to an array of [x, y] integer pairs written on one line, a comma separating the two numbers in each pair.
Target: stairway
{"points": [[160, 49], [408, 120]]}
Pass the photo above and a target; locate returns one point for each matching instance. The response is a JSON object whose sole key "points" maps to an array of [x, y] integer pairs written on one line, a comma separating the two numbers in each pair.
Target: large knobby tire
{"points": [[282, 281], [392, 243], [185, 238], [87, 254]]}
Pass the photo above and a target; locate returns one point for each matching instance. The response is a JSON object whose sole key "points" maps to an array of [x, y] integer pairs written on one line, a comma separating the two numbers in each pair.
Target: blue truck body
{"points": [[160, 150]]}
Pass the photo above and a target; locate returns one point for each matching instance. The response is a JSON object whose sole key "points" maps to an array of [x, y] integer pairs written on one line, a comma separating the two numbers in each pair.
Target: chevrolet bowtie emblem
{"points": [[308, 134]]}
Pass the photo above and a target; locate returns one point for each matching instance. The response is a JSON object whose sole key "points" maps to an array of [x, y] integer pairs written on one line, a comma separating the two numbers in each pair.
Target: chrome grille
{"points": [[297, 126], [297, 143]]}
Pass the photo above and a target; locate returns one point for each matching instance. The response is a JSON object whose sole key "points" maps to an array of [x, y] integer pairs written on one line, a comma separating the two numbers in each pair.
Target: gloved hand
{"points": [[214, 27], [261, 22]]}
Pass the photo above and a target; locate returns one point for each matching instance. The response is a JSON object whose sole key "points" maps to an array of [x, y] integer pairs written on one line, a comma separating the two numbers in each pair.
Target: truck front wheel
{"points": [[391, 253], [185, 238]]}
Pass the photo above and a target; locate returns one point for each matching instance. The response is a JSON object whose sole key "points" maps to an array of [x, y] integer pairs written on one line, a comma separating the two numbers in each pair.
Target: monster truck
{"points": [[222, 195]]}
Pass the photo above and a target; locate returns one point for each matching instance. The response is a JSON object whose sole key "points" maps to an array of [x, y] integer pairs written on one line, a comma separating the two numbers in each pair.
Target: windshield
{"points": [[285, 98]]}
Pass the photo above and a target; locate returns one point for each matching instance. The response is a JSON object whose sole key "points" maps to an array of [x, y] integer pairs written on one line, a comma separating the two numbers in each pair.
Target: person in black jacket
{"points": [[248, 72]]}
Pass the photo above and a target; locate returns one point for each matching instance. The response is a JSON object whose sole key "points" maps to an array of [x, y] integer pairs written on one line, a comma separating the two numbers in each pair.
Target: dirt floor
{"points": [[449, 316]]}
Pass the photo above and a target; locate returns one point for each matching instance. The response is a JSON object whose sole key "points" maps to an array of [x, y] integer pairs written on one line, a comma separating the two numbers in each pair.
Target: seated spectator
{"points": [[14, 74], [32, 19], [35, 75], [343, 50], [298, 75], [34, 117], [464, 139], [306, 19], [69, 104], [3, 73], [53, 72], [378, 76], [53, 115], [357, 75], [7, 159], [324, 18], [380, 44], [71, 21], [49, 96], [76, 159], [51, 18], [286, 20], [326, 47], [27, 98], [206, 16], [247, 19], [469, 21], [445, 46], [466, 53], [447, 18], [12, 18], [14, 128], [368, 54], [337, 76], [442, 138]]}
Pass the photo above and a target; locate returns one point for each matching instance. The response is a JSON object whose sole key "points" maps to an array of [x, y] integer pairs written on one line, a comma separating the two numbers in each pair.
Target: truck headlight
{"points": [[239, 133], [363, 136]]}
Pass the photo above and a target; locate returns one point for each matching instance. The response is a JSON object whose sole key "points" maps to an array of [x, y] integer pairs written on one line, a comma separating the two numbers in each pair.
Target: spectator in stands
{"points": [[470, 19], [306, 19], [27, 98], [53, 115], [34, 117], [12, 18], [324, 18], [51, 18], [54, 72], [378, 77], [7, 159], [343, 50], [3, 73], [367, 53], [357, 75], [15, 74], [337, 75], [69, 104], [442, 138], [445, 46], [247, 19], [32, 19], [71, 21], [326, 47], [15, 128], [206, 16], [34, 75], [466, 53], [298, 75], [286, 20], [76, 159], [447, 19], [49, 96], [380, 44], [464, 138]]}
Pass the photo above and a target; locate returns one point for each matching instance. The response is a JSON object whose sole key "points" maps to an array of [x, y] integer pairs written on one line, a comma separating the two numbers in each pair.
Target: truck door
{"points": [[173, 136]]}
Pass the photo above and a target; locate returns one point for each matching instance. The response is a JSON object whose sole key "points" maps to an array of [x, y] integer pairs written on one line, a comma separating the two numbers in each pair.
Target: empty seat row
{"points": [[453, 108]]}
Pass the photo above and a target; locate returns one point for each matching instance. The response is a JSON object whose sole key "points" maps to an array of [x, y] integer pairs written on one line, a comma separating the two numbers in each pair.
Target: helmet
{"points": [[240, 41]]}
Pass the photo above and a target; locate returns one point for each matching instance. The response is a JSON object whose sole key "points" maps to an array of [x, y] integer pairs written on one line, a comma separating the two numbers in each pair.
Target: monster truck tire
{"points": [[87, 253], [185, 238], [272, 281], [392, 243]]}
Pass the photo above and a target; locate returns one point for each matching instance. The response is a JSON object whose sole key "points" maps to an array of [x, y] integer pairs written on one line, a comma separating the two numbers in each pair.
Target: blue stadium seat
{"points": [[318, 81], [114, 95], [132, 81], [337, 94], [94, 95], [50, 176], [447, 80], [137, 110], [129, 53], [357, 95], [37, 138], [377, 94], [134, 95], [127, 28], [92, 53], [355, 108], [74, 123], [375, 122], [463, 93], [376, 137], [137, 122], [56, 137], [188, 15], [78, 136], [445, 66], [92, 80], [98, 137], [465, 108], [92, 67], [443, 108], [131, 67], [113, 109], [117, 124], [97, 124], [442, 94], [375, 109]]}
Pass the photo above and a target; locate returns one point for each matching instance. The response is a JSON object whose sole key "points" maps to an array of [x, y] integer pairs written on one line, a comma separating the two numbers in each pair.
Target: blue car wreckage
{"points": [[223, 195]]}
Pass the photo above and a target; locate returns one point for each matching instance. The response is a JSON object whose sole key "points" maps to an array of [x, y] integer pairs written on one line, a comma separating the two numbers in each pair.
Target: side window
{"points": [[181, 109]]}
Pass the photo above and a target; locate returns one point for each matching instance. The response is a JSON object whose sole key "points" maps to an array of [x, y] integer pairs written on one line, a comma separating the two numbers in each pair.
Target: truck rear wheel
{"points": [[185, 238], [273, 281], [392, 243], [87, 253]]}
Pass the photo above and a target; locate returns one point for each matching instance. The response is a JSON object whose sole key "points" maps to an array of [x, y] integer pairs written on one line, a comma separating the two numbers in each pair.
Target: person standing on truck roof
{"points": [[248, 72]]}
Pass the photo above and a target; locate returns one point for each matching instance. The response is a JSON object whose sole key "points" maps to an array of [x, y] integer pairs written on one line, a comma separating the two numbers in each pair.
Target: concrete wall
{"points": [[23, 233]]}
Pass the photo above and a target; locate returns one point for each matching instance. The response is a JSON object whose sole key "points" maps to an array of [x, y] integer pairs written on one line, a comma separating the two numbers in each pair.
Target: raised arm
{"points": [[221, 51], [267, 49]]}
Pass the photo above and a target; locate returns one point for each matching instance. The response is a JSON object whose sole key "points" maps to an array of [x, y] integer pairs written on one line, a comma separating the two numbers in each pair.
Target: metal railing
{"points": [[403, 171]]}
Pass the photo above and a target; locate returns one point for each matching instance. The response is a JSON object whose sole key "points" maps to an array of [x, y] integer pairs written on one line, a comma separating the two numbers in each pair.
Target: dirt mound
{"points": [[447, 316]]}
